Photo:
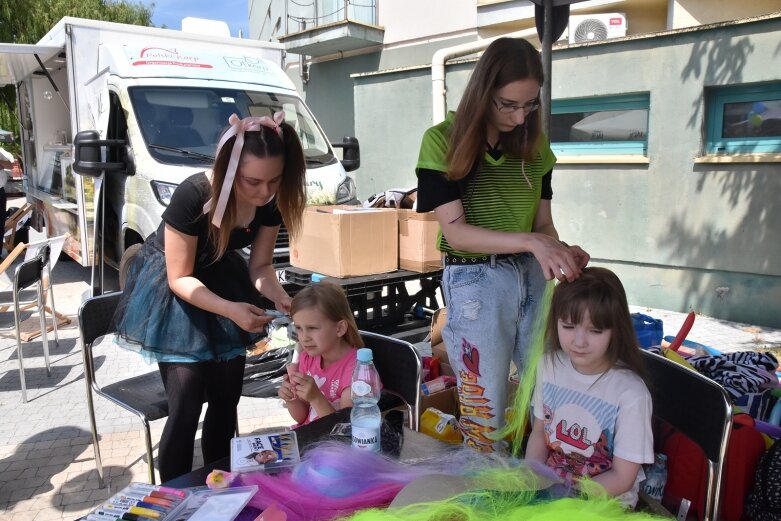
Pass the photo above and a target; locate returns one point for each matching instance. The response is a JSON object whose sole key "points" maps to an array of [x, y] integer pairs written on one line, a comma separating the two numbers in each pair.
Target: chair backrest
{"points": [[399, 367], [699, 408], [28, 273], [96, 315], [12, 221]]}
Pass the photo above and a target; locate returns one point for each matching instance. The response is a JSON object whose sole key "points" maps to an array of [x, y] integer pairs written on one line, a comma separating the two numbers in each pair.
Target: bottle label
{"points": [[654, 490], [361, 388], [366, 438]]}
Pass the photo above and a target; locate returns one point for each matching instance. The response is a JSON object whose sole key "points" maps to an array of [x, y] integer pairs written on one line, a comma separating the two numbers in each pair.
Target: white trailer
{"points": [[153, 103]]}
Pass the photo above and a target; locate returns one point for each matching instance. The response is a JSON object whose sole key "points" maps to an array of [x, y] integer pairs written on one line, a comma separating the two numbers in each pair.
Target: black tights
{"points": [[188, 385]]}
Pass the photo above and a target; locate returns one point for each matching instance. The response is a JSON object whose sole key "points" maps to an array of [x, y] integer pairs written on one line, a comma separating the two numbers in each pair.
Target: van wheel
{"points": [[124, 263]]}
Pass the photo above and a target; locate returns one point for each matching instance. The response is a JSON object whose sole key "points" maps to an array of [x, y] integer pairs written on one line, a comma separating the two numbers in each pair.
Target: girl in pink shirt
{"points": [[328, 338]]}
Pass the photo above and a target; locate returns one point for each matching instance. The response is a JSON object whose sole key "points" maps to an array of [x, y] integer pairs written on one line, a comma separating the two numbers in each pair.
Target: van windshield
{"points": [[183, 125]]}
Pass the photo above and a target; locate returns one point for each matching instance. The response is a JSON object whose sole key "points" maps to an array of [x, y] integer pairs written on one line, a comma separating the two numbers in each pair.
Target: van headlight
{"points": [[163, 191], [346, 190]]}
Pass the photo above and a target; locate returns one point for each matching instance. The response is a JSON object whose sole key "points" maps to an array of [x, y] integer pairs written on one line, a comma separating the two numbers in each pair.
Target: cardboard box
{"points": [[437, 345], [418, 241], [445, 400], [346, 241]]}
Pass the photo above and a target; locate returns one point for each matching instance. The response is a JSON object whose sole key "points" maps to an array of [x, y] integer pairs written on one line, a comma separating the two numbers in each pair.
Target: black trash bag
{"points": [[264, 373]]}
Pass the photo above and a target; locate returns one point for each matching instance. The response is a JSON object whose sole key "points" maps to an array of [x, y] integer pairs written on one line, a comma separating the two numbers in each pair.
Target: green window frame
{"points": [[744, 119], [602, 125]]}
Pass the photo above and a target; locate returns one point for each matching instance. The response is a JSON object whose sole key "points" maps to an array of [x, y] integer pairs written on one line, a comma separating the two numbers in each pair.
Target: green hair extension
{"points": [[507, 494], [521, 404]]}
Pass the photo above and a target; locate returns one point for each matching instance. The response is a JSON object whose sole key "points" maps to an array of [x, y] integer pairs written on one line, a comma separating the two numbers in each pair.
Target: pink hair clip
{"points": [[238, 128]]}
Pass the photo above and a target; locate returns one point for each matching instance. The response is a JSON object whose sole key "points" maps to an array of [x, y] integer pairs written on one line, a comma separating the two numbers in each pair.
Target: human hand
{"points": [[581, 257], [557, 260], [306, 387], [248, 317], [284, 304], [286, 390]]}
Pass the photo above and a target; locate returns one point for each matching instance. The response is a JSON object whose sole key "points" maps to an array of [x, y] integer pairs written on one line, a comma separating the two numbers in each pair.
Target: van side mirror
{"points": [[87, 152], [351, 153]]}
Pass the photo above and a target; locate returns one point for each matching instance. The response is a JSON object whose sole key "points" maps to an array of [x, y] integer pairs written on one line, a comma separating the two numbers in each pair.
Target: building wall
{"points": [[689, 13], [682, 235], [401, 18]]}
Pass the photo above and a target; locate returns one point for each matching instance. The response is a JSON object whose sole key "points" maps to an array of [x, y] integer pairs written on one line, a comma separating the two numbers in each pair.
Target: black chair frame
{"points": [[699, 408], [399, 367], [143, 395], [27, 274]]}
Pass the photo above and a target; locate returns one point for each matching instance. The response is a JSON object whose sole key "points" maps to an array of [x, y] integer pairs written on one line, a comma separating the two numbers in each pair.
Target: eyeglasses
{"points": [[509, 108]]}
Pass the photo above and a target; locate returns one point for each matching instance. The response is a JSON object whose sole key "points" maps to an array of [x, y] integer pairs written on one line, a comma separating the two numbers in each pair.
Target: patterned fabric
{"points": [[764, 501], [739, 373]]}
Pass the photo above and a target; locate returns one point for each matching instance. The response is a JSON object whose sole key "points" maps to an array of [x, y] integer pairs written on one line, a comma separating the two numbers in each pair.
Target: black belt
{"points": [[456, 260]]}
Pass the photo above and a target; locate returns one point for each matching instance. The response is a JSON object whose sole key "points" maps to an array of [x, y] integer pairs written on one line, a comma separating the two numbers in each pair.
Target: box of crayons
{"points": [[141, 501], [265, 452]]}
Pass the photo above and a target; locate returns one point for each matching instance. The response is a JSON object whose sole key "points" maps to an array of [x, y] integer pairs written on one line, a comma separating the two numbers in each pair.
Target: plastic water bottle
{"points": [[365, 416], [656, 477]]}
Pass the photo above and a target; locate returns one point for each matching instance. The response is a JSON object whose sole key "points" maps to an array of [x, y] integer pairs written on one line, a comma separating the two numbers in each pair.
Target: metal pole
{"points": [[547, 43]]}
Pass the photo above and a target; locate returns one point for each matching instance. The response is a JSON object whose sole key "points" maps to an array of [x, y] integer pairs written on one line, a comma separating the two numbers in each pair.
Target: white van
{"points": [[146, 106]]}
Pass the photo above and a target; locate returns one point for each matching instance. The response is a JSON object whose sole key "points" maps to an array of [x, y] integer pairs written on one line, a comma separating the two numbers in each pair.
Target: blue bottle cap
{"points": [[365, 355]]}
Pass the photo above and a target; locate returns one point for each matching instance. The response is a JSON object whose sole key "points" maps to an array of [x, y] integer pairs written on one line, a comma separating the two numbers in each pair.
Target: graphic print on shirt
{"points": [[578, 431], [330, 394], [474, 404]]}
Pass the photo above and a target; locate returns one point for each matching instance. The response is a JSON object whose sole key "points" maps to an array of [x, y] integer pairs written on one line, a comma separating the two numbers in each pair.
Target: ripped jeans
{"points": [[492, 309]]}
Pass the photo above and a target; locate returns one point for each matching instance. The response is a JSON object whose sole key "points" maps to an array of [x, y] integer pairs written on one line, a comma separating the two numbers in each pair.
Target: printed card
{"points": [[267, 451]]}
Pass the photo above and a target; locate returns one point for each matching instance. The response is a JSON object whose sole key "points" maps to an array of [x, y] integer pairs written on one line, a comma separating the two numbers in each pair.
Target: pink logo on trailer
{"points": [[162, 56]]}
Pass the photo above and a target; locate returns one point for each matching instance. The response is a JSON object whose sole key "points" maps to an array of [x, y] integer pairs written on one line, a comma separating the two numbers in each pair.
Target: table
{"points": [[415, 446]]}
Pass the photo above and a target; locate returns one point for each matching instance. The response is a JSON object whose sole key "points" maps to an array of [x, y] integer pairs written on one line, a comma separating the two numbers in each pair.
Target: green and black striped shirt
{"points": [[496, 197]]}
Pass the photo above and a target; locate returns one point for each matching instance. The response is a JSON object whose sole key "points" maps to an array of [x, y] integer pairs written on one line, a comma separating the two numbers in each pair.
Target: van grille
{"points": [[282, 248]]}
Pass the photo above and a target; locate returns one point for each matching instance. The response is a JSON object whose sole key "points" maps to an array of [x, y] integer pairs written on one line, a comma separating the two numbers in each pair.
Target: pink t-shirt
{"points": [[331, 381]]}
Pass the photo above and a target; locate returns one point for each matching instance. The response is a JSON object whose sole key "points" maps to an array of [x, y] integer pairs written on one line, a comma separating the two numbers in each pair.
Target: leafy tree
{"points": [[27, 21]]}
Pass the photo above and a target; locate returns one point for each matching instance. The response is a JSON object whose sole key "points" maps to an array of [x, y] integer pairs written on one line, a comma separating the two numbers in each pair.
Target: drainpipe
{"points": [[439, 101]]}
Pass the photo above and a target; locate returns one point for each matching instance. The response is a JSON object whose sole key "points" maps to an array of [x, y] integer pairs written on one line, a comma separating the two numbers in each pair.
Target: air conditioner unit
{"points": [[594, 27]]}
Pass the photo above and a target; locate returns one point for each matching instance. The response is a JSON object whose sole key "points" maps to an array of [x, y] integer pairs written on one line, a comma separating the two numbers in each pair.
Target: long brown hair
{"points": [[331, 301], [599, 291], [291, 195], [504, 61]]}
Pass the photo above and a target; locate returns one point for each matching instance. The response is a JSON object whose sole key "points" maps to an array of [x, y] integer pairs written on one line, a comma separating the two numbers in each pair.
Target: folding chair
{"points": [[13, 223], [44, 248], [399, 367], [143, 395], [28, 273], [49, 249], [699, 408]]}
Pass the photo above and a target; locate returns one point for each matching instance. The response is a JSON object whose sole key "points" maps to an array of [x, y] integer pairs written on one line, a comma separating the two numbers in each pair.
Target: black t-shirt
{"points": [[434, 189], [185, 214]]}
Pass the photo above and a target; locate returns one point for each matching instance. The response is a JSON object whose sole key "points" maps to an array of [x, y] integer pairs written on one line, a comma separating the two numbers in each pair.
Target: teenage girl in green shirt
{"points": [[486, 172]]}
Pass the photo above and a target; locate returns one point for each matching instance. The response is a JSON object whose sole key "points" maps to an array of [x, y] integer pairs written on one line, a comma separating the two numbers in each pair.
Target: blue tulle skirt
{"points": [[165, 328]]}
